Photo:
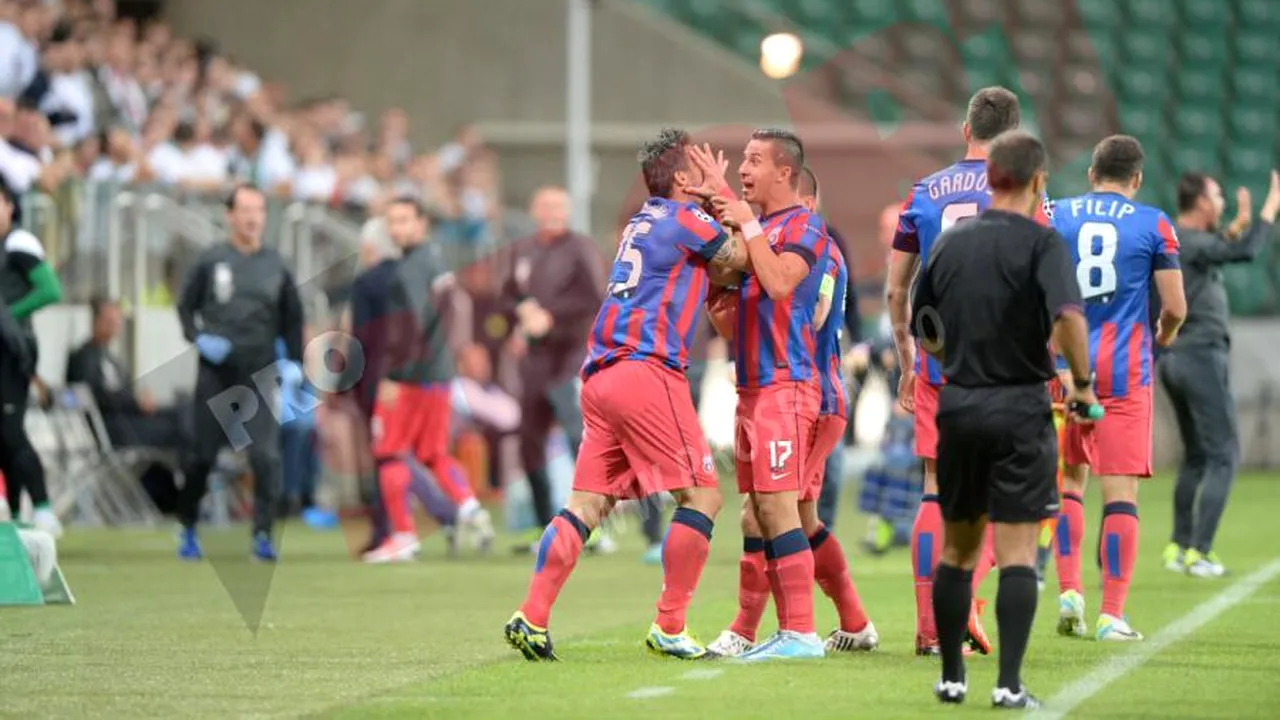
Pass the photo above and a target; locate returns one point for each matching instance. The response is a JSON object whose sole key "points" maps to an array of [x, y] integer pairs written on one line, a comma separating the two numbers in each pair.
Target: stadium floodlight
{"points": [[780, 55]]}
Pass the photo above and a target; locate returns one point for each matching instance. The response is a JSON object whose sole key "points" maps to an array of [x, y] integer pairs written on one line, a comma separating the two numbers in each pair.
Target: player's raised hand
{"points": [[1244, 213], [1271, 206], [736, 213], [713, 167]]}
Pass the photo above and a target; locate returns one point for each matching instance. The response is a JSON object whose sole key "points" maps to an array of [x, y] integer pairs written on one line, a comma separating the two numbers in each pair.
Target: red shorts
{"points": [[772, 435], [640, 433], [416, 421], [826, 437], [1118, 444], [926, 419]]}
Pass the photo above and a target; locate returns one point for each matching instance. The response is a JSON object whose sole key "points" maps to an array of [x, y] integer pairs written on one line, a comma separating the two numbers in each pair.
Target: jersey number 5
{"points": [[1096, 270], [956, 212], [629, 262]]}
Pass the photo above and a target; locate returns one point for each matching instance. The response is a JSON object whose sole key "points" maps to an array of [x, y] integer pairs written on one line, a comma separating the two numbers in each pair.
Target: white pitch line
{"points": [[1105, 673], [647, 693], [703, 674]]}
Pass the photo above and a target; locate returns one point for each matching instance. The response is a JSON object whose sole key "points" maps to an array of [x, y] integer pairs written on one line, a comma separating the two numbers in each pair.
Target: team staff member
{"points": [[556, 286], [990, 296], [235, 301], [27, 283], [1195, 370]]}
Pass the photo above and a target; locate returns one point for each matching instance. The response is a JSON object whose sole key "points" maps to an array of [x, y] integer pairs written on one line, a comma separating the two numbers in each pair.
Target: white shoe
{"points": [[864, 640], [951, 693], [1114, 629], [45, 520], [730, 644], [475, 532], [398, 548], [1071, 615]]}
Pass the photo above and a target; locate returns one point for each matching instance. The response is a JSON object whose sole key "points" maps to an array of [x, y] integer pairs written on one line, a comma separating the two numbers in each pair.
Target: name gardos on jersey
{"points": [[961, 182]]}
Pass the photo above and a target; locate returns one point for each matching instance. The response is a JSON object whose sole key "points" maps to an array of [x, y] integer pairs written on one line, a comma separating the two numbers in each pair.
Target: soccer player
{"points": [[831, 570], [1120, 248], [412, 412], [641, 431], [779, 392], [235, 302], [936, 203]]}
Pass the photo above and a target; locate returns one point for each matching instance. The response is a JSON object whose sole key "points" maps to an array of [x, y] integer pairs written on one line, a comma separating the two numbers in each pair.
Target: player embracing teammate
{"points": [[784, 331]]}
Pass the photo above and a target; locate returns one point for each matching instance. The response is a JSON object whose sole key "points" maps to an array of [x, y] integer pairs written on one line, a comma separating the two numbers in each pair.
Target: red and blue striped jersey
{"points": [[775, 340], [835, 271], [656, 287], [1117, 245], [935, 203]]}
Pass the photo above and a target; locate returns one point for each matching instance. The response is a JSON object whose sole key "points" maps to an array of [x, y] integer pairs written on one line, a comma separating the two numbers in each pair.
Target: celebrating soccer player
{"points": [[1119, 247], [641, 430], [831, 571], [935, 204], [779, 395]]}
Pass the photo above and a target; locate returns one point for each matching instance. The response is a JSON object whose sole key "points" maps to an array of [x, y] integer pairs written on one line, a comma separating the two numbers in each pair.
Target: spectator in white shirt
{"points": [[393, 137], [19, 50], [122, 161], [189, 163], [63, 90], [316, 179], [125, 97], [262, 154]]}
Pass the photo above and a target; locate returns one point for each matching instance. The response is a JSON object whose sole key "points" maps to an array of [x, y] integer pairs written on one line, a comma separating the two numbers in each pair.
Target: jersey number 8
{"points": [[1096, 271], [629, 262]]}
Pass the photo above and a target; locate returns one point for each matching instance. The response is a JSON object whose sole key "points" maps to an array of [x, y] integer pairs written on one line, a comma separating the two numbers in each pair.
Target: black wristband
{"points": [[1082, 384]]}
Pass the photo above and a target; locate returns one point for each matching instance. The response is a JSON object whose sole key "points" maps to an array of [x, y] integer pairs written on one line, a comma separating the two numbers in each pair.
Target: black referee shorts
{"points": [[997, 454]]}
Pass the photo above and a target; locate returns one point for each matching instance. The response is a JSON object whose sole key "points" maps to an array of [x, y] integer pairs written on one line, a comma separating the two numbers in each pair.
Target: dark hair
{"points": [[661, 158], [1191, 187], [1117, 158], [235, 193], [184, 133], [992, 110], [808, 182], [419, 209], [788, 150], [98, 303], [1013, 161]]}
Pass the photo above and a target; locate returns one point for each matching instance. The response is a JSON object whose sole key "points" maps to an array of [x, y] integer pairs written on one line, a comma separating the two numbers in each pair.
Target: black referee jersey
{"points": [[988, 297]]}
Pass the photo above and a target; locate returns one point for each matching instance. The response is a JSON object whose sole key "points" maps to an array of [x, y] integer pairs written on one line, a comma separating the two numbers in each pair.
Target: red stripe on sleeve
{"points": [[1106, 357], [1168, 235], [689, 221]]}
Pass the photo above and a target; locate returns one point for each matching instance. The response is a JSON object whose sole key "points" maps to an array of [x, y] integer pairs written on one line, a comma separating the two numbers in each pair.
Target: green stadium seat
{"points": [[1198, 125], [1257, 49], [1248, 165], [1095, 44], [818, 16], [1201, 86], [1145, 49], [1203, 159], [1149, 14], [1253, 87], [1203, 51], [1249, 289], [1142, 120], [1205, 15], [1098, 14], [931, 12], [875, 13], [1254, 125], [1143, 85], [1258, 14]]}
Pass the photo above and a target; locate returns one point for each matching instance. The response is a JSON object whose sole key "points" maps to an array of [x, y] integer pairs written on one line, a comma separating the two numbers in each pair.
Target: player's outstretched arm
{"points": [[902, 267], [722, 311]]}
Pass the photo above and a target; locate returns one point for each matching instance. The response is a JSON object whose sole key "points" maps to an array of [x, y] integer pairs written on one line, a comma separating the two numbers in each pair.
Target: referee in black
{"points": [[990, 296], [235, 302]]}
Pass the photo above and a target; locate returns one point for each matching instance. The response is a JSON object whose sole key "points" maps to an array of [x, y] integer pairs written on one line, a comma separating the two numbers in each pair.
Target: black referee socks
{"points": [[1015, 612], [952, 596]]}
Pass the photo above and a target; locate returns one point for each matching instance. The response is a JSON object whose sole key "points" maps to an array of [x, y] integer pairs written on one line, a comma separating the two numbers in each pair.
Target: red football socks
{"points": [[753, 588], [1119, 549], [393, 482], [452, 478], [789, 567], [1070, 537], [831, 571], [926, 544], [558, 552], [684, 553]]}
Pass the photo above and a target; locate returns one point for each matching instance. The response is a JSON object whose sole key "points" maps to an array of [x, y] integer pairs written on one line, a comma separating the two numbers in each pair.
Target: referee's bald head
{"points": [[1016, 163]]}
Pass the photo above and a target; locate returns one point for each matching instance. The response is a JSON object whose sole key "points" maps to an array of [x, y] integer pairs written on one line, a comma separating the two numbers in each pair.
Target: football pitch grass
{"points": [[154, 638]]}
